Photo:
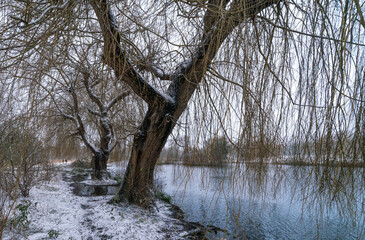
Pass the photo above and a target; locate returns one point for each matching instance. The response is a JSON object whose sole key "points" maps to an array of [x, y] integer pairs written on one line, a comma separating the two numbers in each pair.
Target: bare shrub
{"points": [[22, 157]]}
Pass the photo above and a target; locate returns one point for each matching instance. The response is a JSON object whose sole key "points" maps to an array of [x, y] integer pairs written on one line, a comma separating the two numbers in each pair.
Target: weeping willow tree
{"points": [[266, 74], [293, 91]]}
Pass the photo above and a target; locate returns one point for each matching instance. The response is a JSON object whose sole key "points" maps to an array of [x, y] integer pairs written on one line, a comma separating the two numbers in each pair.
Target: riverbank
{"points": [[55, 212]]}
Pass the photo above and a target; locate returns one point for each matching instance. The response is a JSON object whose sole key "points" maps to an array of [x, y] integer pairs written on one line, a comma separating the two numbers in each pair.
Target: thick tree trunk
{"points": [[100, 160], [148, 143]]}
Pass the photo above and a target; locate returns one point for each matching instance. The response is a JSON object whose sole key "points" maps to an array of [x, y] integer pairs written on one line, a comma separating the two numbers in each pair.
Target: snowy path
{"points": [[59, 211]]}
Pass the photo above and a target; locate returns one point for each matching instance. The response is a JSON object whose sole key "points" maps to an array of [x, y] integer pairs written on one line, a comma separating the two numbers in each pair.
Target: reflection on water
{"points": [[256, 201]]}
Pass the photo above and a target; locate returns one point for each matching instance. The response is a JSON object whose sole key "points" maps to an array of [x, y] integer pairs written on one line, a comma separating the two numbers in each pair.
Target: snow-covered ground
{"points": [[58, 212]]}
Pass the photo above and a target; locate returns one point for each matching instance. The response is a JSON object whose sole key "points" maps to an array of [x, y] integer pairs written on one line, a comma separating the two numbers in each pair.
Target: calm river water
{"points": [[270, 201]]}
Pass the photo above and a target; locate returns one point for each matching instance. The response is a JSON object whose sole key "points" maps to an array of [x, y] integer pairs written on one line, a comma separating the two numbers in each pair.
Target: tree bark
{"points": [[148, 143], [100, 160]]}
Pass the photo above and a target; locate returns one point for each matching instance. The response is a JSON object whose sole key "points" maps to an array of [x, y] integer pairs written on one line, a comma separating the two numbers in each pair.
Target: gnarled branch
{"points": [[115, 56]]}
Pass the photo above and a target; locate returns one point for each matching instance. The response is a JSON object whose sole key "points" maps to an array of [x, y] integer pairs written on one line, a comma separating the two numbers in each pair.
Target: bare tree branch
{"points": [[359, 11], [191, 72], [94, 112], [156, 71], [116, 100], [80, 123], [90, 92], [116, 58]]}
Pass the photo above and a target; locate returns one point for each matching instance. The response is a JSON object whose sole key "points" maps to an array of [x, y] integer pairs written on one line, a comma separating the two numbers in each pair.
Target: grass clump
{"points": [[164, 197], [20, 220], [53, 233]]}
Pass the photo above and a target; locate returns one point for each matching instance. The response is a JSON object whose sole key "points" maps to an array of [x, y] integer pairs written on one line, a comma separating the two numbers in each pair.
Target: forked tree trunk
{"points": [[148, 143], [165, 109]]}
